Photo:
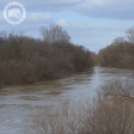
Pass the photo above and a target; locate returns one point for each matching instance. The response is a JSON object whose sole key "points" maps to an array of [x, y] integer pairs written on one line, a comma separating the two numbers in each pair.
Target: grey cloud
{"points": [[113, 9], [40, 5]]}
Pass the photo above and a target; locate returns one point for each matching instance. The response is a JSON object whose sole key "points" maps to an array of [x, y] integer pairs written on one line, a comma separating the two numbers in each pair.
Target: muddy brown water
{"points": [[18, 103]]}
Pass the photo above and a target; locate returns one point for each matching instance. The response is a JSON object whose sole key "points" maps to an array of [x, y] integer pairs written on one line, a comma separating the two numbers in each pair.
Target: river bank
{"points": [[18, 103]]}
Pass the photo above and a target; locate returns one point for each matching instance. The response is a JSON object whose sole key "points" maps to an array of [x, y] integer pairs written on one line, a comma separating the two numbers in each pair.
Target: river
{"points": [[18, 103]]}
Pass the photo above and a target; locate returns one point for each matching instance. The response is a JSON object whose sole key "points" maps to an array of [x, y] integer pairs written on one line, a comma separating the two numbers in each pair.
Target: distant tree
{"points": [[130, 34], [118, 40], [55, 34]]}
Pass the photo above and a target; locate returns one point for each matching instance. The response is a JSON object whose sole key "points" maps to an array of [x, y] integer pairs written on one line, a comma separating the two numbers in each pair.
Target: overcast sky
{"points": [[91, 23]]}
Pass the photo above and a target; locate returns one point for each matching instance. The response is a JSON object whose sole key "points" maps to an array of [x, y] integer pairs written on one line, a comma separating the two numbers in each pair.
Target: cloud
{"points": [[121, 9], [38, 18], [62, 23], [34, 5], [113, 9], [1, 17]]}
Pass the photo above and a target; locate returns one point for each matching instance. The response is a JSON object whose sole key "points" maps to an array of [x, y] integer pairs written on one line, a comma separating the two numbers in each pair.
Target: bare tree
{"points": [[119, 40], [54, 34], [130, 34], [106, 115]]}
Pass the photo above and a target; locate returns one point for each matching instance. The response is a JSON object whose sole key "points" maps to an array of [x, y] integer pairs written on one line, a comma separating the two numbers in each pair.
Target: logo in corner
{"points": [[14, 13]]}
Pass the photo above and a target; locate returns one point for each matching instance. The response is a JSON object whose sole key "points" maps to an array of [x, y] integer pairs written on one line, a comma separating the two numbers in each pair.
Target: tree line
{"points": [[25, 59], [120, 53]]}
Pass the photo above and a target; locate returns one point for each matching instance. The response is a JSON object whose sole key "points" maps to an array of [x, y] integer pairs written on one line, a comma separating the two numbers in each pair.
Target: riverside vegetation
{"points": [[25, 60], [120, 53], [112, 109], [110, 113]]}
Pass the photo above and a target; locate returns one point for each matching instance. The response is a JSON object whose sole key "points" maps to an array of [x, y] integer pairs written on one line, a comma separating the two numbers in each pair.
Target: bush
{"points": [[13, 72], [106, 115], [24, 59], [120, 53]]}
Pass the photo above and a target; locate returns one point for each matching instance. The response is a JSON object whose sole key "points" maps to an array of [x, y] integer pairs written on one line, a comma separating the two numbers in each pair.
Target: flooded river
{"points": [[18, 103]]}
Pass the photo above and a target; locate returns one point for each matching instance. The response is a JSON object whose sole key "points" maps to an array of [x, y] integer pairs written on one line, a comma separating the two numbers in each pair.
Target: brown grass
{"points": [[107, 115]]}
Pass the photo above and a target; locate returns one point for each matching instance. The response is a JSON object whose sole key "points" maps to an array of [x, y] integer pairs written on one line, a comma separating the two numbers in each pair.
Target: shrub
{"points": [[106, 115], [25, 59]]}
